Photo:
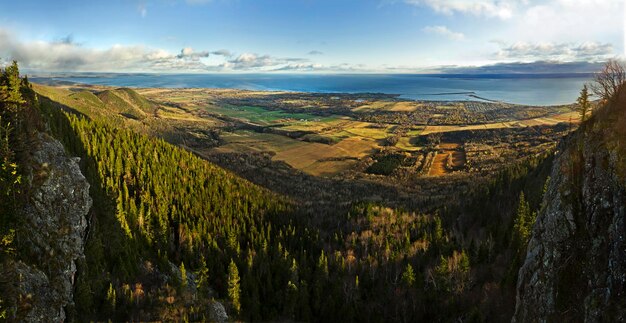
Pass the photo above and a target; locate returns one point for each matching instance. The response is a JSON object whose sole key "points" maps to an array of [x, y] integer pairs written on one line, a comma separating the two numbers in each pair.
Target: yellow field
{"points": [[249, 141], [407, 106], [552, 120], [405, 144], [310, 157], [364, 129], [438, 129], [372, 106], [318, 126], [356, 147], [438, 166]]}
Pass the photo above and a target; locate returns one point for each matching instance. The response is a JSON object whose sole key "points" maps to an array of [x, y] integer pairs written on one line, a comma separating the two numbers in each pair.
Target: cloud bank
{"points": [[538, 67], [588, 51], [66, 55]]}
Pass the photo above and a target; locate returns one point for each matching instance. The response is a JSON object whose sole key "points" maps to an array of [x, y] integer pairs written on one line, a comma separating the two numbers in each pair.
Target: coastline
{"points": [[469, 96], [531, 90]]}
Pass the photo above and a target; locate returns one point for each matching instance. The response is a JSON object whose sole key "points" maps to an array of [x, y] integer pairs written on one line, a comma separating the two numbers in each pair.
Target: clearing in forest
{"points": [[439, 166]]}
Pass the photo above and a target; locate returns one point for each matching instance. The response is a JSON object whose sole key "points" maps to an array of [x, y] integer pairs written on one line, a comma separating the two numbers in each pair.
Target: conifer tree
{"points": [[408, 277], [111, 298], [233, 286], [524, 220], [202, 277], [13, 84], [584, 106], [183, 275]]}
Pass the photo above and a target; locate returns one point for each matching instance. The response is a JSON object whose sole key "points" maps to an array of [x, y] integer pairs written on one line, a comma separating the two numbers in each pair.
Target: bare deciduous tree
{"points": [[610, 81]]}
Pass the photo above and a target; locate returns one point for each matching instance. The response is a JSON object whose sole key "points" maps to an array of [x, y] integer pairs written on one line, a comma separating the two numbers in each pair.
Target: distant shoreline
{"points": [[531, 90], [440, 75]]}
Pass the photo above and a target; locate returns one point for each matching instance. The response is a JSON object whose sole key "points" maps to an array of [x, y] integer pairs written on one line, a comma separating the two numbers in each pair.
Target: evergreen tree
{"points": [[111, 298], [183, 275], [202, 278], [13, 84], [322, 263], [584, 106], [408, 277], [233, 286], [524, 221]]}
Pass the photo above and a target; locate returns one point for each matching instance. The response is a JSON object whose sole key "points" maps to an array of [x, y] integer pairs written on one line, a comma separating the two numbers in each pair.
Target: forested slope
{"points": [[169, 234], [159, 205]]}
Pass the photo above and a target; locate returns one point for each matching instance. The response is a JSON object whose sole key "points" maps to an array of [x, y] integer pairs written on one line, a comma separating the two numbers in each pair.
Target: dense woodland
{"points": [[18, 122], [170, 232]]}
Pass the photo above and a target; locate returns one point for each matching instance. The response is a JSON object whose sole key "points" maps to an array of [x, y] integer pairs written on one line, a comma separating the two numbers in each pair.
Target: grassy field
{"points": [[407, 143], [439, 165], [321, 159], [552, 120], [250, 141], [263, 116], [311, 157], [368, 130], [406, 106]]}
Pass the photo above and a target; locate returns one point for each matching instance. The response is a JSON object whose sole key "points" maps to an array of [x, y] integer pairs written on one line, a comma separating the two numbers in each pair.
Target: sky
{"points": [[325, 36]]}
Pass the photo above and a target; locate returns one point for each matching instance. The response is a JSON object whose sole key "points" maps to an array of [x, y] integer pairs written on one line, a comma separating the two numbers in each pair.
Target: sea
{"points": [[524, 89]]}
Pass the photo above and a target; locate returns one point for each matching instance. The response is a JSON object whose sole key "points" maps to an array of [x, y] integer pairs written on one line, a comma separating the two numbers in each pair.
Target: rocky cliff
{"points": [[575, 267], [50, 234]]}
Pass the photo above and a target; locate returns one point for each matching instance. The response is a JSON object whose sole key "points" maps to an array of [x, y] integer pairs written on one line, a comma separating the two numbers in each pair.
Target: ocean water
{"points": [[526, 89]]}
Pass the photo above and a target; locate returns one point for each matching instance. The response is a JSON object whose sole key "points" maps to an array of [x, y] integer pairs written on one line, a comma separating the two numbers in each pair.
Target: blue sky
{"points": [[404, 36]]}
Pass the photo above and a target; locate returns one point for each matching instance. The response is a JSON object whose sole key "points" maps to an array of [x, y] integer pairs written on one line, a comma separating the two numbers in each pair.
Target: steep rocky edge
{"points": [[53, 226], [575, 267]]}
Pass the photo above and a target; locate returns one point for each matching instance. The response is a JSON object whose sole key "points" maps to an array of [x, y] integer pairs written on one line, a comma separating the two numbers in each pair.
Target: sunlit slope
{"points": [[111, 102]]}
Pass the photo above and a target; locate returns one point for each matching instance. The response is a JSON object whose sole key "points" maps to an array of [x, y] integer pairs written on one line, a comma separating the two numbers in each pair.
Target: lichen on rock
{"points": [[52, 227], [575, 267]]}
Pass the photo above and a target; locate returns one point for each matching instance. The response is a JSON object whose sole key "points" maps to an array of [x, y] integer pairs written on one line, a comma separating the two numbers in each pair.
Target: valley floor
{"points": [[376, 142]]}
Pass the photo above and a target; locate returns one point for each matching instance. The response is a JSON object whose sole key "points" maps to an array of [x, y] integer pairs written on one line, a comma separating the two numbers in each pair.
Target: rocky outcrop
{"points": [[217, 312], [575, 267], [52, 229]]}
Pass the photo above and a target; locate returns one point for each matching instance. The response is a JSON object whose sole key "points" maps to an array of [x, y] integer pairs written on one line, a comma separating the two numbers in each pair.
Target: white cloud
{"points": [[315, 52], [300, 67], [66, 55], [570, 20], [250, 61], [189, 53], [443, 31], [503, 9], [562, 30], [537, 67], [588, 51]]}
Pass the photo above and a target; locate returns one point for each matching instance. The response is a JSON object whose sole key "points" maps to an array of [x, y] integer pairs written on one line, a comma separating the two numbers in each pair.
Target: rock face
{"points": [[217, 312], [575, 267], [52, 232]]}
